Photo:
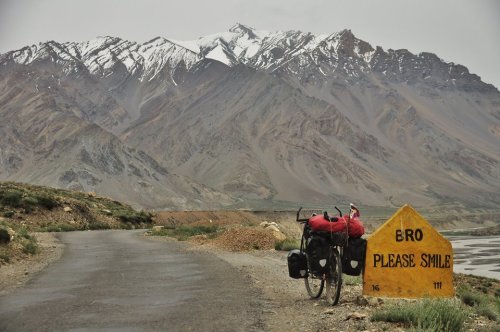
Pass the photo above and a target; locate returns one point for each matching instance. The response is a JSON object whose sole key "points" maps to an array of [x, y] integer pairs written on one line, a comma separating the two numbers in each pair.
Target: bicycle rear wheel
{"points": [[314, 286], [334, 277]]}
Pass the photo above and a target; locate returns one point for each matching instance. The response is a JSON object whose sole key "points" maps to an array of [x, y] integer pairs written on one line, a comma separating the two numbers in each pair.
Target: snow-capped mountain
{"points": [[295, 52], [259, 116]]}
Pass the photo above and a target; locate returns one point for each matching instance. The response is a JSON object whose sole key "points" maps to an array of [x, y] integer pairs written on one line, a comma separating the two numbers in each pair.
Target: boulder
{"points": [[7, 234], [157, 228], [273, 228], [67, 209]]}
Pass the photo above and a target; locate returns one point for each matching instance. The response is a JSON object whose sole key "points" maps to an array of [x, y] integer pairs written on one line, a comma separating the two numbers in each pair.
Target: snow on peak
{"points": [[219, 54], [240, 44]]}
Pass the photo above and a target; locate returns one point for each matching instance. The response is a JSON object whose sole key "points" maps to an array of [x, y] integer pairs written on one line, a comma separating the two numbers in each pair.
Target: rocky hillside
{"points": [[249, 118], [39, 208]]}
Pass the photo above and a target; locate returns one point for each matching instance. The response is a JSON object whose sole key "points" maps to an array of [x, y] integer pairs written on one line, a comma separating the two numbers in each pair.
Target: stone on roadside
{"points": [[67, 209], [361, 300], [156, 229], [374, 301], [356, 316]]}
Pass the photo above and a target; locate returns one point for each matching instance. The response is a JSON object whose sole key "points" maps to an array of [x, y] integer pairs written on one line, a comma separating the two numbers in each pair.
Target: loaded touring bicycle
{"points": [[329, 247]]}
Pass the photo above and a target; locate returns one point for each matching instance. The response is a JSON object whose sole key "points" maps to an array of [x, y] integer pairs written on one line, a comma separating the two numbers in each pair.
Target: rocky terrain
{"points": [[248, 118]]}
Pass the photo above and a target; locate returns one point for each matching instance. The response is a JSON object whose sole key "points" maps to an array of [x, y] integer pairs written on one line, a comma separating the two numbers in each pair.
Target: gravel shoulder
{"points": [[20, 272], [287, 305]]}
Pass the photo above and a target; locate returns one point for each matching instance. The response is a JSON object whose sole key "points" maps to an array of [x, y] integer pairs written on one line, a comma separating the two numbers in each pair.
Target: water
{"points": [[477, 255]]}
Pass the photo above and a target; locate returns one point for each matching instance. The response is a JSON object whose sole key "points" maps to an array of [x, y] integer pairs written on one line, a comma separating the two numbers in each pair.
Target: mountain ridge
{"points": [[285, 116]]}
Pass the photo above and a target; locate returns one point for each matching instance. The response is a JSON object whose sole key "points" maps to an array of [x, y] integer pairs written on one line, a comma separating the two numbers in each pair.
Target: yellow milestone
{"points": [[406, 257]]}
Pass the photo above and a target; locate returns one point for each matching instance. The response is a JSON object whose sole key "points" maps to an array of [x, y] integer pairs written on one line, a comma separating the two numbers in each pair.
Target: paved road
{"points": [[120, 281]]}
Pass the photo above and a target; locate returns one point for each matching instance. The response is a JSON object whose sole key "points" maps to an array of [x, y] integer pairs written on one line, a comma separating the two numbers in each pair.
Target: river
{"points": [[478, 255]]}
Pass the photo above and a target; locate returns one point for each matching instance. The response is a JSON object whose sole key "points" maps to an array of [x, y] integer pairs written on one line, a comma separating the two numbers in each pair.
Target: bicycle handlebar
{"points": [[302, 220], [340, 212], [298, 214]]}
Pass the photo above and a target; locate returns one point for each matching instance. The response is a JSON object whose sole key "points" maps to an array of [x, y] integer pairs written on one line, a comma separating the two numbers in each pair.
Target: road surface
{"points": [[121, 281]]}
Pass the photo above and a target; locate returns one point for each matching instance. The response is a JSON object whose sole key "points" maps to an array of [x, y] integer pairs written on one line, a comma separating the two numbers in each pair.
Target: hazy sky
{"points": [[462, 31]]}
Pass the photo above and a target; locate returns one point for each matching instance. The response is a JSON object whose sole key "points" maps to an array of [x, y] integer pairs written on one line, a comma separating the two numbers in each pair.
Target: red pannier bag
{"points": [[355, 227], [320, 224]]}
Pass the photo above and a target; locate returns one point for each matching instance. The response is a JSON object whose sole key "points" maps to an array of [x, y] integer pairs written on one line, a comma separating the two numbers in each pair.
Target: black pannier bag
{"points": [[297, 264], [353, 258], [317, 251]]}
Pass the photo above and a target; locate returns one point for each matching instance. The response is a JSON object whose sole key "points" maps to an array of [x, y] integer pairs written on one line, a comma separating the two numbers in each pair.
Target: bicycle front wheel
{"points": [[314, 285], [334, 277]]}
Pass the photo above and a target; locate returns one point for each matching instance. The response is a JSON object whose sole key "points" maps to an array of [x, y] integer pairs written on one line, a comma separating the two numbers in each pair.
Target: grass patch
{"points": [[287, 244], [352, 280], [182, 233], [471, 298], [487, 311], [429, 315], [483, 304], [59, 228]]}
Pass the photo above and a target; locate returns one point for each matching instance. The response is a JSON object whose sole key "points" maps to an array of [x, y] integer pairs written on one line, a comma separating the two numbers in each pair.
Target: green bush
{"points": [[30, 247], [23, 232], [134, 217], [29, 201], [46, 201], [11, 198], [471, 298], [8, 214], [97, 225], [287, 244], [429, 315]]}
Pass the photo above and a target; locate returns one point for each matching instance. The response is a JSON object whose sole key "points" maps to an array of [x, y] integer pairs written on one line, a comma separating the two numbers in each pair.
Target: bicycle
{"points": [[323, 252]]}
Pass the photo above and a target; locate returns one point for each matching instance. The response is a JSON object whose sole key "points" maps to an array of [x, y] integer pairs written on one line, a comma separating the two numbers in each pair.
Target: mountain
{"points": [[251, 118]]}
